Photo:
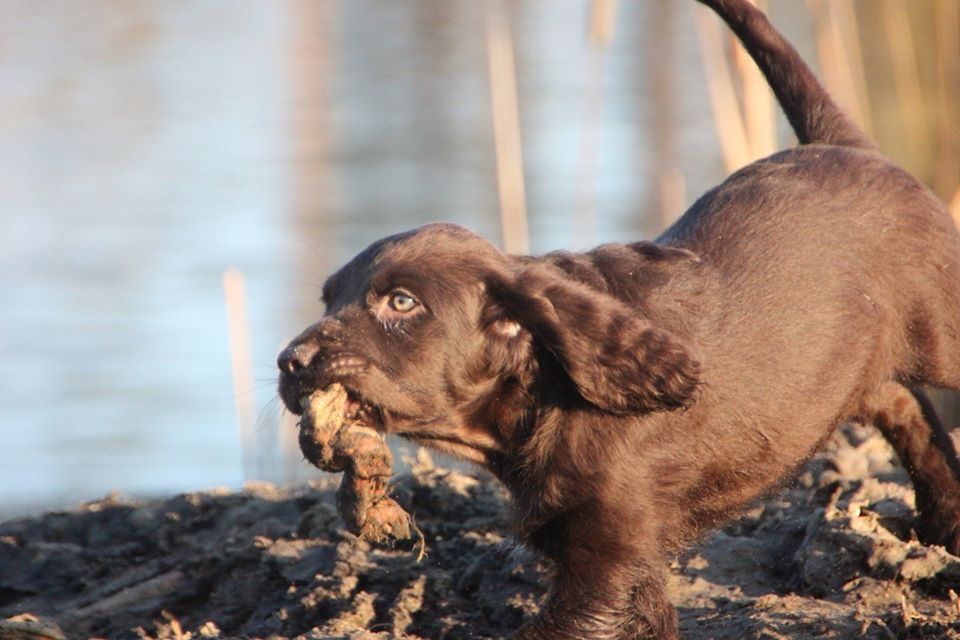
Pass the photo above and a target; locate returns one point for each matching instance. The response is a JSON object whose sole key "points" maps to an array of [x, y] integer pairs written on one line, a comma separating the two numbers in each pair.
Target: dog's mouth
{"points": [[359, 409], [356, 410], [329, 407], [296, 385], [362, 406]]}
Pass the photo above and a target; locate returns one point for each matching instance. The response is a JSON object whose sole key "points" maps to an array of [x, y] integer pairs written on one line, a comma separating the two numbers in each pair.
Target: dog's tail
{"points": [[812, 113]]}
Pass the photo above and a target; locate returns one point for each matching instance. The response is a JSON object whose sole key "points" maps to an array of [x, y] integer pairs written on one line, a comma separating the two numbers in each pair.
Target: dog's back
{"points": [[838, 286], [834, 228]]}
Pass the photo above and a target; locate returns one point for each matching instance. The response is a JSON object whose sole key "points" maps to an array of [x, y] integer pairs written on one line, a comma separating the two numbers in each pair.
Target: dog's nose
{"points": [[297, 357]]}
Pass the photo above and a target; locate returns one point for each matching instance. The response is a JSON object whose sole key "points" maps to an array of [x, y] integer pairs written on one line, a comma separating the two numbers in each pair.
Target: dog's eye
{"points": [[402, 302]]}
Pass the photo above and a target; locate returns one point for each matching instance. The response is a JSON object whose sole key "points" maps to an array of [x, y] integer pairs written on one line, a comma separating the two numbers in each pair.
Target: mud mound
{"points": [[834, 556]]}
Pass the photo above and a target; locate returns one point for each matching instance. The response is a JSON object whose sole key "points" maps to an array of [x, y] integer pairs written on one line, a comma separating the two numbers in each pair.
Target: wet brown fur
{"points": [[635, 395]]}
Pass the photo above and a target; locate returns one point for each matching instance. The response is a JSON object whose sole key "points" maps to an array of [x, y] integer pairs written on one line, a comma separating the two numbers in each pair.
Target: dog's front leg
{"points": [[606, 596]]}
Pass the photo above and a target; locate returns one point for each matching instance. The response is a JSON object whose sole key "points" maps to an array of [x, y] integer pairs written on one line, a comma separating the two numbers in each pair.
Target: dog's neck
{"points": [[560, 466]]}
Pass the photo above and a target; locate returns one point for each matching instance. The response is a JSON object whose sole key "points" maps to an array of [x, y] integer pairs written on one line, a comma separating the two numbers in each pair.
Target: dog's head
{"points": [[439, 337]]}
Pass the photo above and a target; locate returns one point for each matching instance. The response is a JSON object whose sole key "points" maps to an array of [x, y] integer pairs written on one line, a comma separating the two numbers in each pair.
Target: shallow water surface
{"points": [[146, 148]]}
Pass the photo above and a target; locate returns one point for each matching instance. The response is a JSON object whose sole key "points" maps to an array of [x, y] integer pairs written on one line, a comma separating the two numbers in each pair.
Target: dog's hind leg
{"points": [[908, 420]]}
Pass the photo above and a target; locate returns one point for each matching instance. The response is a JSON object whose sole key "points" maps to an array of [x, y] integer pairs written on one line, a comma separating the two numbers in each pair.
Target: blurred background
{"points": [[147, 147]]}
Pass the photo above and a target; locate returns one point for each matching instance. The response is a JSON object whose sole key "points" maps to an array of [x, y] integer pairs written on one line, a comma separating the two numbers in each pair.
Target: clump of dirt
{"points": [[833, 556], [335, 442]]}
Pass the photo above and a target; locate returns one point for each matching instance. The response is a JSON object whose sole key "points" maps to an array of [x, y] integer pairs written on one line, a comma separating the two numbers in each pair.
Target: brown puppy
{"points": [[634, 395]]}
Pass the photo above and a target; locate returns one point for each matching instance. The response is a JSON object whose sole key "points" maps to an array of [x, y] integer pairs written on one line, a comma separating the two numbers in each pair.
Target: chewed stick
{"points": [[333, 443]]}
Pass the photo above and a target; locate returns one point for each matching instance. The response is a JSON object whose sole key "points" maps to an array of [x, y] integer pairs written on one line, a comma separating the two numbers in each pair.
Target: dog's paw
{"points": [[942, 525]]}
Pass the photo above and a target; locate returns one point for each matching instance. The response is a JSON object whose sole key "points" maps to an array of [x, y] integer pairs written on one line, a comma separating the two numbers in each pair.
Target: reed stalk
{"points": [[311, 59], [602, 21], [758, 110], [235, 293], [727, 117], [600, 35], [837, 47], [906, 76], [668, 193], [844, 16], [506, 131], [947, 163]]}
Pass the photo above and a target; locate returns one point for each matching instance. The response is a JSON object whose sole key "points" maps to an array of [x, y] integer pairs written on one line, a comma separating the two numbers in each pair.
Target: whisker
{"points": [[259, 386], [272, 366], [268, 411]]}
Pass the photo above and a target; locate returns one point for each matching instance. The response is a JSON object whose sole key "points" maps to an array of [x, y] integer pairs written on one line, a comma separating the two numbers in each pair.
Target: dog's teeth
{"points": [[353, 409]]}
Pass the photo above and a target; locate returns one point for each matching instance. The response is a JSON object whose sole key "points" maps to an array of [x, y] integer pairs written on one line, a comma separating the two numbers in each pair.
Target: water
{"points": [[147, 147]]}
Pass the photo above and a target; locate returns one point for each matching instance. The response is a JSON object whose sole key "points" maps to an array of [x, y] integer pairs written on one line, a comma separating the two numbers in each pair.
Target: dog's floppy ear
{"points": [[618, 361]]}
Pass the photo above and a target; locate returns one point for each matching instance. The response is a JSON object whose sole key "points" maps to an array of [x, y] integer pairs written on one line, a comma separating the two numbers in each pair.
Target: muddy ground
{"points": [[832, 556]]}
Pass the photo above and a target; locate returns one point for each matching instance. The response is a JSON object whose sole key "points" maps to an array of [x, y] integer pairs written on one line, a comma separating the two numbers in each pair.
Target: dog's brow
{"points": [[402, 277]]}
